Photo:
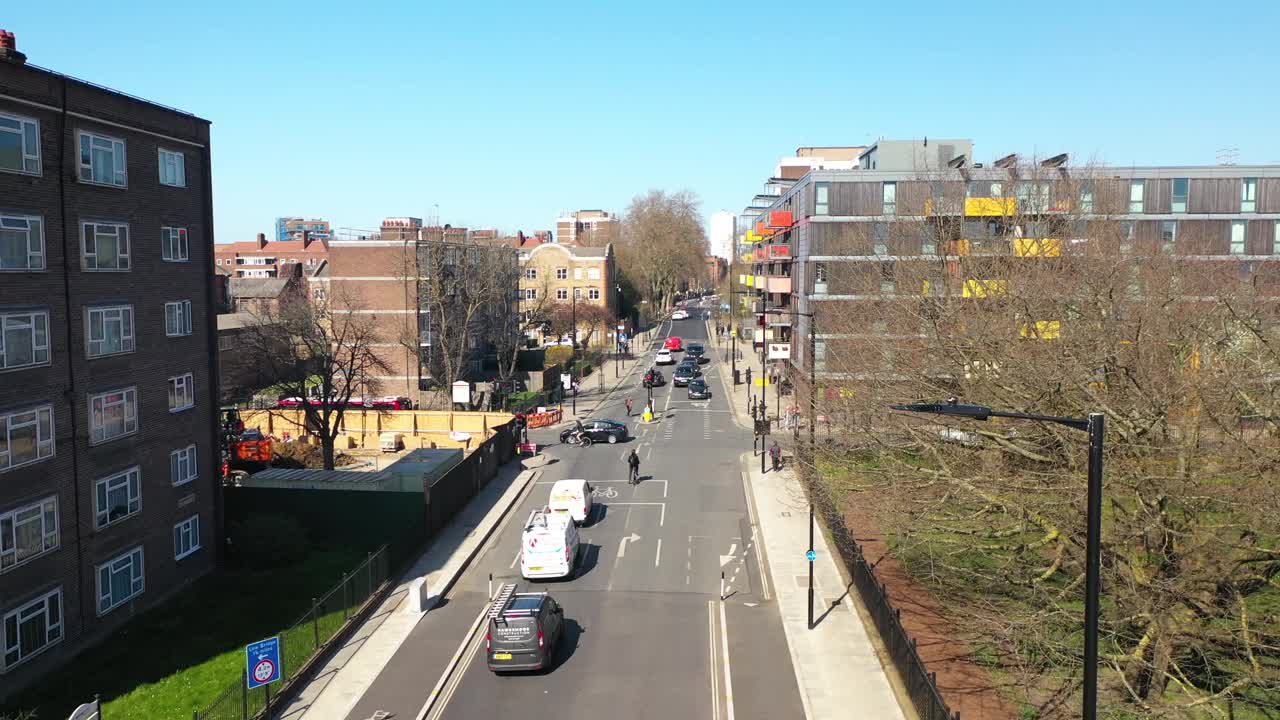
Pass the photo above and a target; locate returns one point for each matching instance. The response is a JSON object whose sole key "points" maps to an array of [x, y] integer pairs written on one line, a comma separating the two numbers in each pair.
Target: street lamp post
{"points": [[573, 344], [1095, 425]]}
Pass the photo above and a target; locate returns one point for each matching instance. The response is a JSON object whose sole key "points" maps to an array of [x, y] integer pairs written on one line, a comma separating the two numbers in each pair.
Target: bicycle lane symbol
{"points": [[605, 493]]}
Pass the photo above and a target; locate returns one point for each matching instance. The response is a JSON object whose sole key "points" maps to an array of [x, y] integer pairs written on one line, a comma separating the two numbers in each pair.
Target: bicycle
{"points": [[582, 440]]}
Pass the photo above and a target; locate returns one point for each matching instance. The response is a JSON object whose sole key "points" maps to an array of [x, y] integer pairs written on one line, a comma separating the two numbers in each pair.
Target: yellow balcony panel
{"points": [[985, 288], [1042, 330], [1037, 247], [989, 206], [958, 247]]}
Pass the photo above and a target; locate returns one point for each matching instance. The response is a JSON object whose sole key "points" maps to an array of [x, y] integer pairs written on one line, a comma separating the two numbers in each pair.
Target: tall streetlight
{"points": [[573, 345], [1094, 425], [813, 404], [617, 338]]}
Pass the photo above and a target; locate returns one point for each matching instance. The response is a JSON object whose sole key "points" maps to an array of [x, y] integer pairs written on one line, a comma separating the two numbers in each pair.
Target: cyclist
{"points": [[579, 431]]}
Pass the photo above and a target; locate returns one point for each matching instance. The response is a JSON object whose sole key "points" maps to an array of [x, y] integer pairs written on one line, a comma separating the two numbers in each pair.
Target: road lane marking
{"points": [[622, 546], [728, 680], [453, 664], [657, 558], [662, 519], [755, 536], [715, 672], [513, 562]]}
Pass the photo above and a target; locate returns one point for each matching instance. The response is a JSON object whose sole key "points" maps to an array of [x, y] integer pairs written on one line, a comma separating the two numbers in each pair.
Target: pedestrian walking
{"points": [[633, 467], [629, 402], [751, 402], [775, 454], [748, 376]]}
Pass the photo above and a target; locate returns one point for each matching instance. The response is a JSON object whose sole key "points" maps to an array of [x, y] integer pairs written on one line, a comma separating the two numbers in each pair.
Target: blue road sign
{"points": [[811, 556], [262, 662]]}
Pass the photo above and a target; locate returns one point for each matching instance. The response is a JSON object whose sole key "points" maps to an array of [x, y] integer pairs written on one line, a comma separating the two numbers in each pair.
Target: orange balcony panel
{"points": [[779, 252], [780, 219]]}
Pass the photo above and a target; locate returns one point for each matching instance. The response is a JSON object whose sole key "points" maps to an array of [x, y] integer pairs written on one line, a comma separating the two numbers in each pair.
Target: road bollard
{"points": [[722, 586], [490, 586]]}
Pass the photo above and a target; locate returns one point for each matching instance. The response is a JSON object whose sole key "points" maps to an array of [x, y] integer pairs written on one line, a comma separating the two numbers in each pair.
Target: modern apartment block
{"points": [[842, 242], [292, 228], [262, 258], [586, 227], [108, 366]]}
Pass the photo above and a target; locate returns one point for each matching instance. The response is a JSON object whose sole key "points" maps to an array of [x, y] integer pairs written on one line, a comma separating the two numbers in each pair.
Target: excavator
{"points": [[242, 453]]}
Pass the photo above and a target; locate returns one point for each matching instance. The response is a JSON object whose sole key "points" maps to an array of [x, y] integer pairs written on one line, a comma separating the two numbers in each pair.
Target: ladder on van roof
{"points": [[501, 600]]}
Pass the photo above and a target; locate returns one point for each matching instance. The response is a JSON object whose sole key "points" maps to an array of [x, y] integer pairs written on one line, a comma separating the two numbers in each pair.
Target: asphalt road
{"points": [[647, 635]]}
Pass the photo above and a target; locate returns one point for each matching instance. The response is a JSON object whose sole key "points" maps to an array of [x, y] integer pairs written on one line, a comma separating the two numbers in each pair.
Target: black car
{"points": [[697, 351], [684, 374], [698, 389], [610, 431], [653, 378], [524, 631]]}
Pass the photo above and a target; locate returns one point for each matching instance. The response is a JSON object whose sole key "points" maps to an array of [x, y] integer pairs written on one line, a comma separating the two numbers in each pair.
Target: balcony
{"points": [[778, 284], [985, 288], [778, 252], [990, 206], [1037, 247]]}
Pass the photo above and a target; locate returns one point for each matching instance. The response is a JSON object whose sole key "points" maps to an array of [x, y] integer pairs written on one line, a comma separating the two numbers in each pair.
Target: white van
{"points": [[548, 546], [572, 497]]}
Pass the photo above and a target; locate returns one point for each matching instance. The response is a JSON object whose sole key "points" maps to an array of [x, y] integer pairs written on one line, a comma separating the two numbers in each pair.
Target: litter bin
{"points": [[737, 380]]}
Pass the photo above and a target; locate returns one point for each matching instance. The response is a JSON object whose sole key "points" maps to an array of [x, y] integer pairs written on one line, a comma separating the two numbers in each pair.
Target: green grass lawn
{"points": [[178, 657]]}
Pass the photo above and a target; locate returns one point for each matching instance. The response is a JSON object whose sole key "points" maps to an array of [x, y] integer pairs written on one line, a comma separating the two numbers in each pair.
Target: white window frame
{"points": [[562, 273], [173, 244], [177, 318], [593, 293], [45, 513], [821, 198], [182, 466], [1137, 195], [89, 260], [562, 293], [13, 222], [1249, 195], [42, 420], [128, 480], [186, 537], [182, 389], [21, 132], [31, 320], [889, 198], [180, 167], [1168, 246], [23, 613], [1240, 246], [593, 273], [1176, 205], [128, 403], [531, 293], [121, 315], [119, 170], [577, 273], [135, 561], [1275, 240], [531, 273]]}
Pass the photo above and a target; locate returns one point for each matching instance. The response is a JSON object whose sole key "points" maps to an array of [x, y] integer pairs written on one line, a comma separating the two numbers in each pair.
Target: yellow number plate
{"points": [[502, 656], [535, 569]]}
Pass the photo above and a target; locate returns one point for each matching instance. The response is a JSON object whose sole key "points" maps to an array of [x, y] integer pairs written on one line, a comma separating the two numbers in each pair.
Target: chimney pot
{"points": [[9, 48], [306, 239]]}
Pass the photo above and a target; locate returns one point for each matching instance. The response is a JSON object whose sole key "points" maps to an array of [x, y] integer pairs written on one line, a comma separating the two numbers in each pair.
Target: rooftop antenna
{"points": [[1228, 156]]}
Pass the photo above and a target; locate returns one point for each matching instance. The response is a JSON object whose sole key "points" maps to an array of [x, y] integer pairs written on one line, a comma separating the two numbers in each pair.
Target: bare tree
{"points": [[1049, 304], [663, 245], [323, 353]]}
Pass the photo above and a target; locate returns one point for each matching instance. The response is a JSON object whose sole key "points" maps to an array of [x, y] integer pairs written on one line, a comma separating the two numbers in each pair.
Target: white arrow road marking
{"points": [[725, 560], [733, 548], [750, 604], [622, 547]]}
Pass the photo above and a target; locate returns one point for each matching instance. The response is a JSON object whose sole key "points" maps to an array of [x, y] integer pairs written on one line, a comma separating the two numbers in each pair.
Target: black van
{"points": [[524, 631]]}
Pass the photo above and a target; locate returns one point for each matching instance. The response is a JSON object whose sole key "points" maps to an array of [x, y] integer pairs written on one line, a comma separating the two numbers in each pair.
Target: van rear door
{"points": [[514, 640]]}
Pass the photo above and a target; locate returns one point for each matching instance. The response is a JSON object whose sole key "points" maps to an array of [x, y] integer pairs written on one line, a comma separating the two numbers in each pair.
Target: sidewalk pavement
{"points": [[592, 397], [337, 686], [836, 663]]}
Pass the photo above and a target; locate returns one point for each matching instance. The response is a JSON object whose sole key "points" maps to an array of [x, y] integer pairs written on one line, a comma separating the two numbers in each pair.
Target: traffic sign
{"points": [[262, 662], [811, 556]]}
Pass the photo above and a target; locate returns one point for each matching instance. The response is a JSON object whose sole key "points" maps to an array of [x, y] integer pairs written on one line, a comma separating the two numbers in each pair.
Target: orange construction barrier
{"points": [[551, 417]]}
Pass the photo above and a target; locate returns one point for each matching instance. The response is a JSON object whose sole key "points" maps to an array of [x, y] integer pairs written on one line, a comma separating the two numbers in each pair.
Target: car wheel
{"points": [[613, 439]]}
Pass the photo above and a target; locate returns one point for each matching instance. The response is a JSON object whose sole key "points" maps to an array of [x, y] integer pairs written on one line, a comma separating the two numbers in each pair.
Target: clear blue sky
{"points": [[504, 113]]}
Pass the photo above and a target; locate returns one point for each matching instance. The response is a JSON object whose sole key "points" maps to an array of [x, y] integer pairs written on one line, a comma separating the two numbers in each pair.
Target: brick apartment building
{"points": [[586, 227], [264, 258], [551, 271], [108, 372]]}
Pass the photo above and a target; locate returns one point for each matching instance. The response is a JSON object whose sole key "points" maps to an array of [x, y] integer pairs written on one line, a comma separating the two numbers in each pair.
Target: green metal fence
{"points": [[308, 636]]}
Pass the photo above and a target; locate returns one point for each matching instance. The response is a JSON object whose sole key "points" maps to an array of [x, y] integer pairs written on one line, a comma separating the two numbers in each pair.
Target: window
{"points": [[19, 144], [887, 282], [113, 414], [28, 531], [317, 295], [890, 197], [186, 537], [531, 273], [1086, 197], [820, 279], [177, 316], [182, 393], [1136, 188], [1249, 195], [593, 273], [106, 246], [593, 293], [879, 235], [820, 193], [562, 294], [1126, 236], [21, 242], [102, 160], [26, 436], [120, 579], [577, 293], [117, 496], [1275, 241], [531, 293], [577, 273], [173, 169], [1168, 235], [1237, 237], [1179, 200], [110, 330], [819, 355], [24, 339], [182, 465], [32, 628], [562, 273], [173, 244]]}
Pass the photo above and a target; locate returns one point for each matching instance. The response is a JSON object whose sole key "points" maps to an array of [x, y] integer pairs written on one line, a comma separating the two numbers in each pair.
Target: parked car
{"points": [[684, 374], [698, 389], [610, 431], [680, 315], [664, 357], [673, 344], [524, 632], [653, 378], [392, 402]]}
